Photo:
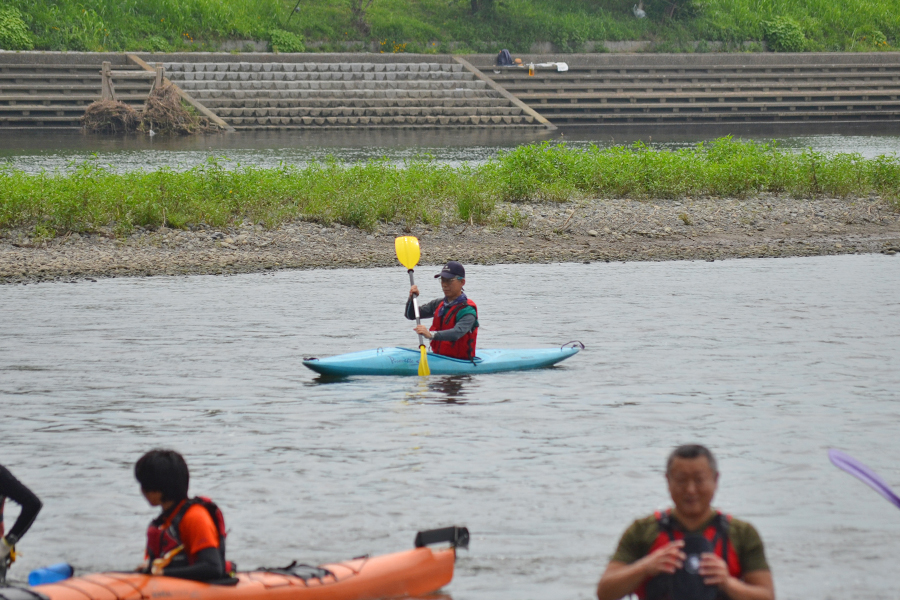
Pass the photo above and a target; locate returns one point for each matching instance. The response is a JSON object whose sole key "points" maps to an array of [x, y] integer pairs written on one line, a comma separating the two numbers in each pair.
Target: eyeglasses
{"points": [[448, 280], [683, 482]]}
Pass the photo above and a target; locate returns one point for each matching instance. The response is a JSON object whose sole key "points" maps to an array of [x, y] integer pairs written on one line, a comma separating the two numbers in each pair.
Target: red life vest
{"points": [[2, 504], [716, 532], [464, 347], [161, 541]]}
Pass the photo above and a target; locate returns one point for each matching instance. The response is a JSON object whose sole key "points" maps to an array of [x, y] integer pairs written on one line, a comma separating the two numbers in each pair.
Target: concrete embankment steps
{"points": [[297, 92], [266, 91], [724, 88], [52, 90]]}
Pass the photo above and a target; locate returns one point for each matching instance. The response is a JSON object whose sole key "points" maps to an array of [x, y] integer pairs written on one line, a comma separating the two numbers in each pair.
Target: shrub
{"points": [[80, 29], [14, 34], [570, 33], [672, 9], [784, 34], [285, 41], [365, 194], [869, 38], [156, 43], [885, 174]]}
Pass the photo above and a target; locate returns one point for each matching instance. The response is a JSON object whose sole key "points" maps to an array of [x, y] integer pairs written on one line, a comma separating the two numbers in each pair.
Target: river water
{"points": [[770, 362], [34, 152]]}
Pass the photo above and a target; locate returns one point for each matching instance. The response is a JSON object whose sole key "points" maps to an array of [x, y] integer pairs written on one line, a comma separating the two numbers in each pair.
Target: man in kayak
{"points": [[691, 551], [12, 488], [454, 329], [187, 539]]}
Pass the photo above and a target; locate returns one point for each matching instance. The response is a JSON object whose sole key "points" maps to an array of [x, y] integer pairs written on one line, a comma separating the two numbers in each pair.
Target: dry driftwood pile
{"points": [[110, 116], [163, 113]]}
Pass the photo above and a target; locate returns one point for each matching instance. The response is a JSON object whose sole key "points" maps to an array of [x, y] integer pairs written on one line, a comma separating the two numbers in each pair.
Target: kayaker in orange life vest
{"points": [[454, 330], [187, 539], [692, 551]]}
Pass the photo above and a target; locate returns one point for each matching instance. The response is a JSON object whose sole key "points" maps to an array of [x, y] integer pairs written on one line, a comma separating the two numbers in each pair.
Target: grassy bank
{"points": [[365, 194], [432, 25]]}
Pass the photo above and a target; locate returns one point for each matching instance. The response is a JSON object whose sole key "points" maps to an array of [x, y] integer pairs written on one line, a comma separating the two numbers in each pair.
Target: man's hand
{"points": [[756, 585], [423, 330], [714, 570], [414, 291], [667, 559], [621, 579]]}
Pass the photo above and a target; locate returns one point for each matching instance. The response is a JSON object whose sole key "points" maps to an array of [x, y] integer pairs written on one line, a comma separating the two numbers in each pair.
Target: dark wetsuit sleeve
{"points": [[13, 489], [463, 326], [207, 566], [426, 311]]}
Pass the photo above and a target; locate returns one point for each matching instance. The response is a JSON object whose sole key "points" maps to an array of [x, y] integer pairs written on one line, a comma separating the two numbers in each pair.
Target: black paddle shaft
{"points": [[412, 282]]}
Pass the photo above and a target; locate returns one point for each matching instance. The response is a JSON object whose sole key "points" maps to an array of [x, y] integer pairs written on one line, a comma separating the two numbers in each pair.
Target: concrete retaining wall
{"points": [[712, 59], [653, 90]]}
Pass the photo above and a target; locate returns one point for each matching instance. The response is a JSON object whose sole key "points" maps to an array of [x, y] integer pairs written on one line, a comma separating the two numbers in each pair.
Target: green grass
{"points": [[160, 25], [432, 25], [421, 191]]}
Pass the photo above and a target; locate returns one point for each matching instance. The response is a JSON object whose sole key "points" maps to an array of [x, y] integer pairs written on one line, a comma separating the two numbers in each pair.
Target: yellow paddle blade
{"points": [[423, 361], [407, 251]]}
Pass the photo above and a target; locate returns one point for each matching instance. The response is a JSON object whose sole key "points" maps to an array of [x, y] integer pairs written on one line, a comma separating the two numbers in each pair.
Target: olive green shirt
{"points": [[638, 539]]}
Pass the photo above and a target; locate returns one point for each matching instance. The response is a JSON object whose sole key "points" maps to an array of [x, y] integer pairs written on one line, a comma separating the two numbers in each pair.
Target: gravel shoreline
{"points": [[583, 231]]}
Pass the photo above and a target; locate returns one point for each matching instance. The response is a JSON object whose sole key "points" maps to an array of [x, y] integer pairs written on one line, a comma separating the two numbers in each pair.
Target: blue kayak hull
{"points": [[405, 361]]}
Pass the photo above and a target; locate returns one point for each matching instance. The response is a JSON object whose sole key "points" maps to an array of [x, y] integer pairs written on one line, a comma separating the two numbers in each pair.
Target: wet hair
{"points": [[163, 471], [691, 451]]}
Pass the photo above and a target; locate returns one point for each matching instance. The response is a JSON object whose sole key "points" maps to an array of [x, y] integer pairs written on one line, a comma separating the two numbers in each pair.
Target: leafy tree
{"points": [[683, 8], [670, 9], [483, 6], [358, 9]]}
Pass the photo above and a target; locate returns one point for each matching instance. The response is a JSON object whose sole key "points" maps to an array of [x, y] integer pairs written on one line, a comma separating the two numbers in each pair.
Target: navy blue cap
{"points": [[452, 269]]}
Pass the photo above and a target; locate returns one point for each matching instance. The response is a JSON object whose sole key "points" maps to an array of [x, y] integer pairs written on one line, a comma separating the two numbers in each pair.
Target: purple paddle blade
{"points": [[847, 463]]}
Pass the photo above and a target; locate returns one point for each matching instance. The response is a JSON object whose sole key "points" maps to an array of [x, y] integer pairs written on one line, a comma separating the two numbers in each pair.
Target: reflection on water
{"points": [[450, 388], [444, 389], [770, 362], [447, 389], [35, 152], [32, 152]]}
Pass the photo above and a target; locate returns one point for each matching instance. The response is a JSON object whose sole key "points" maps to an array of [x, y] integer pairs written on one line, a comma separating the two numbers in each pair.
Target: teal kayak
{"points": [[405, 361]]}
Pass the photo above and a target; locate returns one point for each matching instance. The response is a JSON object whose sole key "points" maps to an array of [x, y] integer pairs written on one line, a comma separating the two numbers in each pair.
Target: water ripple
{"points": [[770, 362]]}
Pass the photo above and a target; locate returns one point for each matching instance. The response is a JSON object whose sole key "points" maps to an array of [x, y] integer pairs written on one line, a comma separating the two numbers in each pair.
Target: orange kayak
{"points": [[411, 573]]}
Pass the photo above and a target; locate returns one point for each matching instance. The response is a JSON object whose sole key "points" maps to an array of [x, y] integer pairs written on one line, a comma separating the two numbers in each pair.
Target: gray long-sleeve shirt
{"points": [[464, 324]]}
